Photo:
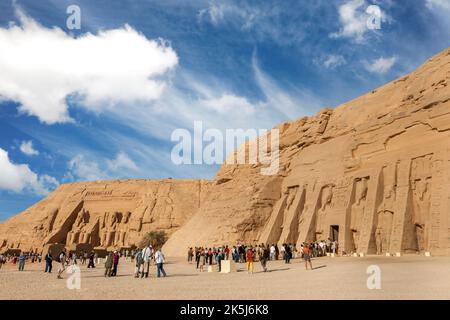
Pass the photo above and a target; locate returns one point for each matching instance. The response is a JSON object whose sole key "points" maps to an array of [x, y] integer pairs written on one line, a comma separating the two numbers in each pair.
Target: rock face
{"points": [[107, 214], [372, 174]]}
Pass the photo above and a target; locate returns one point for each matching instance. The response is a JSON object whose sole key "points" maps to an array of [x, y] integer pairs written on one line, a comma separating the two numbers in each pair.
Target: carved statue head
{"points": [[421, 188], [389, 191]]}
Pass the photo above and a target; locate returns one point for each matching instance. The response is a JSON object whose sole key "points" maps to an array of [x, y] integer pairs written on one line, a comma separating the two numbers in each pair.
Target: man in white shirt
{"points": [[159, 260], [322, 248], [146, 256], [272, 253]]}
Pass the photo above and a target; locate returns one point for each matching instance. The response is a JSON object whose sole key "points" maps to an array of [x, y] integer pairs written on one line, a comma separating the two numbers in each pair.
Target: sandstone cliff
{"points": [[372, 174], [108, 214]]}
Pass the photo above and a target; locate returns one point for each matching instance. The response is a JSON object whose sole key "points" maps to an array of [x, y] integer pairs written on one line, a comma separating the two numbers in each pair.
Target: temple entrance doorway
{"points": [[334, 233]]}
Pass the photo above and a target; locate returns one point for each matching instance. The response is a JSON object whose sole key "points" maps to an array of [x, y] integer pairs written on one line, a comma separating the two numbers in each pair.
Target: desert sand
{"points": [[406, 277]]}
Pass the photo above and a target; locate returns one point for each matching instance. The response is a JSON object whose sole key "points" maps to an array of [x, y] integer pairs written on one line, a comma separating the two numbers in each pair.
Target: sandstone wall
{"points": [[108, 214], [372, 174]]}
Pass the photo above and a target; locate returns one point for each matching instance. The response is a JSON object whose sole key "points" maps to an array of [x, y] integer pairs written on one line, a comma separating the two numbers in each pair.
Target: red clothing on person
{"points": [[249, 255]]}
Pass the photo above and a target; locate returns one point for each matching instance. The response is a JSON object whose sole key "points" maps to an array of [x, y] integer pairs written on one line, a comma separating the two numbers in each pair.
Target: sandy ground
{"points": [[407, 277]]}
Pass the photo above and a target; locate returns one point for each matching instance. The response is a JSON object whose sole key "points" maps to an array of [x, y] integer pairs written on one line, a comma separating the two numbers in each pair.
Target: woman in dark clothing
{"points": [[48, 262], [91, 260]]}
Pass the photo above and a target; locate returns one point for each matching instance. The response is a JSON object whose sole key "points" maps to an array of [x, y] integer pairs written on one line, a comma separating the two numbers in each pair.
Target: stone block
{"points": [[228, 266]]}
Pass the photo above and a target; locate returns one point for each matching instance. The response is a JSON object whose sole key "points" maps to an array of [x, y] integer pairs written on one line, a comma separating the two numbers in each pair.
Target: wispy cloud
{"points": [[381, 65], [332, 61], [86, 169], [438, 4], [27, 148], [266, 21]]}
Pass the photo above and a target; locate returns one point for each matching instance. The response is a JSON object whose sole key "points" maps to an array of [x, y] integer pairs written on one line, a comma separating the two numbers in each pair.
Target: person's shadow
{"points": [[318, 267]]}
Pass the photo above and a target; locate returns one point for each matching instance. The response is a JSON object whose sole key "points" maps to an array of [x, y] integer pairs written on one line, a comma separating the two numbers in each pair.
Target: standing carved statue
{"points": [[357, 210], [421, 203], [325, 208], [385, 220], [291, 196]]}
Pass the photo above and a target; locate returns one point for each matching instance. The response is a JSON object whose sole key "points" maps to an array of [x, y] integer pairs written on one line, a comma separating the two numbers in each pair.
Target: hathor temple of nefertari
{"points": [[372, 174]]}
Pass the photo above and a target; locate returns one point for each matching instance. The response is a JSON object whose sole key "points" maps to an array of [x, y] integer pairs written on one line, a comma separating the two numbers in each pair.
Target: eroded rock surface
{"points": [[372, 174], [107, 214]]}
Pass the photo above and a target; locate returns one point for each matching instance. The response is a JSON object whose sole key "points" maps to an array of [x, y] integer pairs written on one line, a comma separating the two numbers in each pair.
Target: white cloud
{"points": [[354, 19], [381, 65], [27, 148], [122, 162], [221, 12], [438, 4], [84, 169], [41, 67], [19, 177], [227, 103], [332, 61], [87, 169]]}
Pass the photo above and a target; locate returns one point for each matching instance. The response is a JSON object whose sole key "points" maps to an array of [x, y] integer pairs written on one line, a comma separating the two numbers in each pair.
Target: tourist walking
{"points": [[197, 256], [22, 259], [219, 258], [159, 260], [146, 256], [272, 252], [334, 247], [62, 264], [116, 257], [2, 260], [287, 253], [307, 256], [249, 260], [263, 256], [202, 259], [190, 255], [74, 258], [108, 264], [138, 263], [48, 262], [91, 263]]}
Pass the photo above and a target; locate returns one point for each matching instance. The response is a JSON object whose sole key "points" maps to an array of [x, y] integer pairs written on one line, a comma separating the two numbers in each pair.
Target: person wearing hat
{"points": [[116, 257]]}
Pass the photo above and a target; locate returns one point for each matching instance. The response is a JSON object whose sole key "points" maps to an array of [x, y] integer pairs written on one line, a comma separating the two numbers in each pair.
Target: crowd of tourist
{"points": [[263, 253], [144, 257], [20, 259]]}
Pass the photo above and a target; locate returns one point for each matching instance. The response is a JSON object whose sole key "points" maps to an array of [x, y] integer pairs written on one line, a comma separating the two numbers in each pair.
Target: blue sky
{"points": [[101, 102]]}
